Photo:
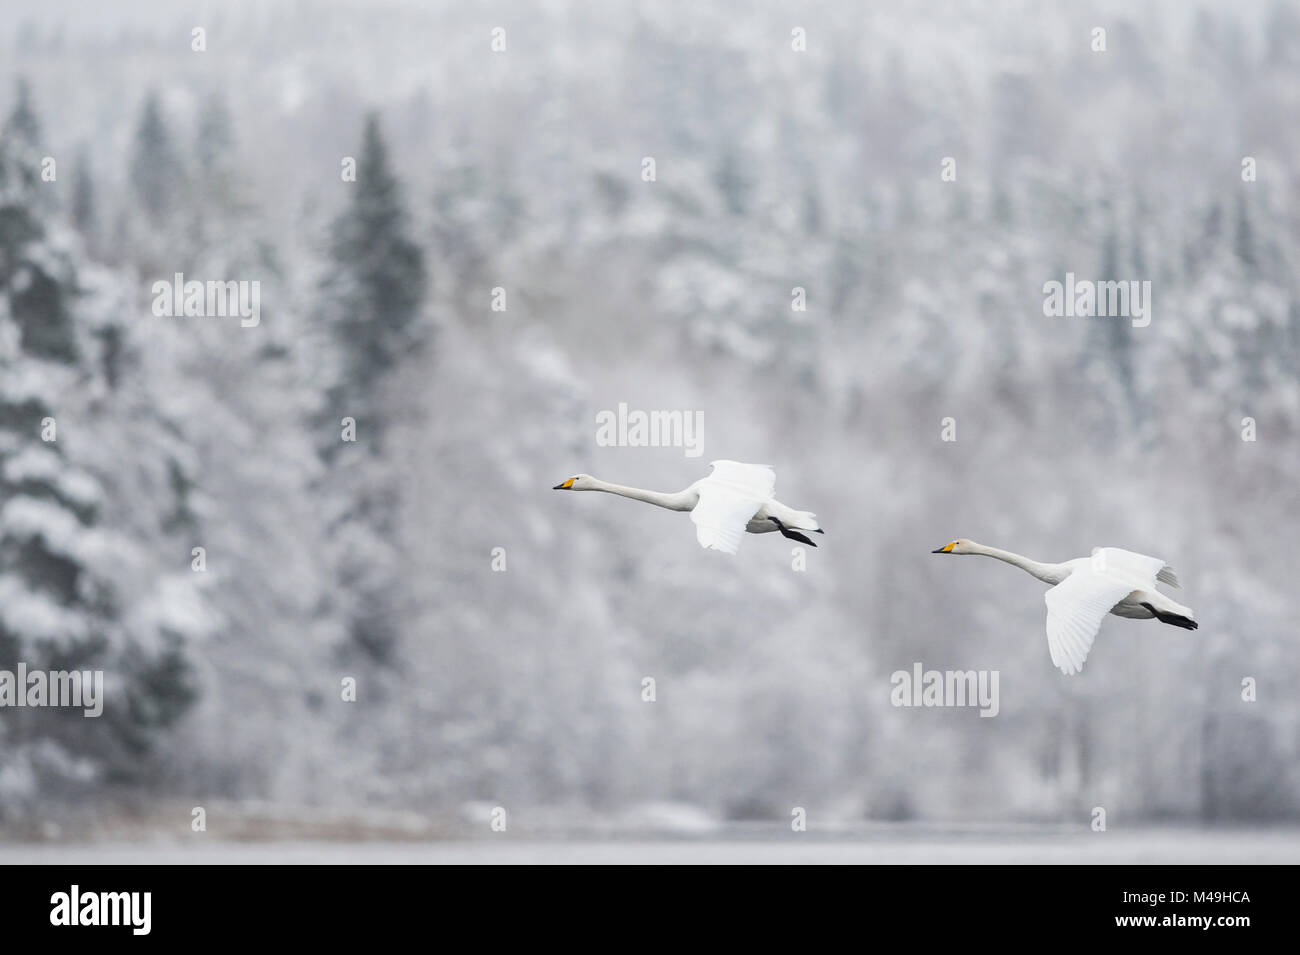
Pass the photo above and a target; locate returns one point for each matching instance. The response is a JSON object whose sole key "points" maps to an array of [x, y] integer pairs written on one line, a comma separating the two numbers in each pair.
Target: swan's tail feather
{"points": [[805, 521], [1167, 576]]}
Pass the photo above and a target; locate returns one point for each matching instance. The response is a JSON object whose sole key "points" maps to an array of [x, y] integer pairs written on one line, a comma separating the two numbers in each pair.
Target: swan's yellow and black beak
{"points": [[563, 487], [945, 549]]}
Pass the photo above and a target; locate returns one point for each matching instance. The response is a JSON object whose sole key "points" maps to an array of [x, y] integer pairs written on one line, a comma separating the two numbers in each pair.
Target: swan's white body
{"points": [[733, 499], [1085, 589]]}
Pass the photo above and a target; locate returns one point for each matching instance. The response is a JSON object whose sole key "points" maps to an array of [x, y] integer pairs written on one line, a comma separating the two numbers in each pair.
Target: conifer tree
{"points": [[75, 592], [376, 281], [372, 297], [84, 211], [155, 168]]}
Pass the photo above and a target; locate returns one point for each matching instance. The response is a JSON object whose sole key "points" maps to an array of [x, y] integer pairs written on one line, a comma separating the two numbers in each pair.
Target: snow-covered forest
{"points": [[500, 269]]}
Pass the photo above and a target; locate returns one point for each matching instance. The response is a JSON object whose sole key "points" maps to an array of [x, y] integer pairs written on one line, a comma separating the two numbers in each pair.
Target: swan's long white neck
{"points": [[674, 501], [1047, 573]]}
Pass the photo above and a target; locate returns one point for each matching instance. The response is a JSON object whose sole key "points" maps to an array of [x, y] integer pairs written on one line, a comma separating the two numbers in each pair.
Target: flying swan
{"points": [[1085, 589], [732, 499]]}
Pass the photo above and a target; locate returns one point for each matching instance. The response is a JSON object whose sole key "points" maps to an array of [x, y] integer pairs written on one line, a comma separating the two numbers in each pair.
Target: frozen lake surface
{"points": [[1167, 846]]}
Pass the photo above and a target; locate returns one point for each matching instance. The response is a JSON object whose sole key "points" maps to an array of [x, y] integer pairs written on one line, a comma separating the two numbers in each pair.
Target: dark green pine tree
{"points": [[155, 167], [216, 210], [375, 285], [1243, 237], [22, 126], [50, 600], [371, 303], [37, 304], [1110, 338], [214, 154], [61, 601], [84, 213]]}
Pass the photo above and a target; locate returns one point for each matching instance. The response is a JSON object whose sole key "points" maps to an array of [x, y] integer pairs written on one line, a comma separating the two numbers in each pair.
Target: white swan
{"points": [[732, 499], [1084, 590]]}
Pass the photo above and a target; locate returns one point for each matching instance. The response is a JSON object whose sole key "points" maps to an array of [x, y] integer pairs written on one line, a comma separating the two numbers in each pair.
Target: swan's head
{"points": [[960, 546], [579, 482]]}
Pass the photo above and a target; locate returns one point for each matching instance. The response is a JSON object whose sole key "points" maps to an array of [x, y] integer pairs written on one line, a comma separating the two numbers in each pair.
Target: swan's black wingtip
{"points": [[793, 535], [1173, 619], [819, 530]]}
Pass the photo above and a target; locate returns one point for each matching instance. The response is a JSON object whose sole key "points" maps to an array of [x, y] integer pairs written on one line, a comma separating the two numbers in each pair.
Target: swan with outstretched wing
{"points": [[732, 500]]}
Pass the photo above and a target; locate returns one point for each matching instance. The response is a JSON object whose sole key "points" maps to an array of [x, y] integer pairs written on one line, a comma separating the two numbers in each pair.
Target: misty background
{"points": [[521, 170]]}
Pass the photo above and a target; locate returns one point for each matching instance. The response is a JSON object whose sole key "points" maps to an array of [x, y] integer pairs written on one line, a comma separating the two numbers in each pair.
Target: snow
{"points": [[35, 616], [28, 517], [775, 169], [1143, 847]]}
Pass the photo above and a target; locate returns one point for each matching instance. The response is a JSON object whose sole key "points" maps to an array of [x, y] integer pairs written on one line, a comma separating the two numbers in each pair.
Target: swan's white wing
{"points": [[729, 496], [720, 517], [1125, 563], [1075, 609], [756, 479]]}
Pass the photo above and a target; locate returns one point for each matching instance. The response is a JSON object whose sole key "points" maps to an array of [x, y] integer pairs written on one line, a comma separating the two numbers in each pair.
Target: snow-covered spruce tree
{"points": [[150, 230], [76, 592], [155, 167], [83, 211], [242, 398], [371, 299]]}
